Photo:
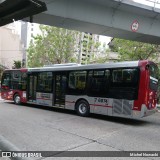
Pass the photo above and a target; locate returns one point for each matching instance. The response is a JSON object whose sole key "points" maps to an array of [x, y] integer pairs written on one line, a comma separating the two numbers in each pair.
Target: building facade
{"points": [[10, 46]]}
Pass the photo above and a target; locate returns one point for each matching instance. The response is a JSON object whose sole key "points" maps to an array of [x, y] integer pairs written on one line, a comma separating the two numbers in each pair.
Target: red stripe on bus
{"points": [[92, 104]]}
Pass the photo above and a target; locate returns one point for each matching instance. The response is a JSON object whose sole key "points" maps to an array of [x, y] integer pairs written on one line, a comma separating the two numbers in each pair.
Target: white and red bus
{"points": [[124, 89]]}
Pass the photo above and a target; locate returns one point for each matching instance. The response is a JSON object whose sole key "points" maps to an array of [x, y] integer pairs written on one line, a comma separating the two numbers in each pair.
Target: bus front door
{"points": [[32, 84], [60, 90]]}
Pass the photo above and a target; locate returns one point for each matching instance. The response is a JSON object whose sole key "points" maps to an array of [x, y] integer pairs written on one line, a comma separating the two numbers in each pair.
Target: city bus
{"points": [[123, 89]]}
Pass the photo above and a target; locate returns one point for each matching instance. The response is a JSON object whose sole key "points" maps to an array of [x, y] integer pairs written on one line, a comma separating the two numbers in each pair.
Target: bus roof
{"points": [[70, 67], [87, 67]]}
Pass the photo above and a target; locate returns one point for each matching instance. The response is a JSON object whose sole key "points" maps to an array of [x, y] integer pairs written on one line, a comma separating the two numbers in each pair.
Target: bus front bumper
{"points": [[150, 112], [144, 112]]}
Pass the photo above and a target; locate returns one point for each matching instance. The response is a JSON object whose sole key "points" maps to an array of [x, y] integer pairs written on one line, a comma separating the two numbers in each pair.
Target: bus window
{"points": [[125, 77], [98, 73], [98, 82], [153, 71], [72, 80], [6, 81], [77, 81], [16, 74], [16, 80], [130, 76], [44, 82], [117, 76], [124, 83]]}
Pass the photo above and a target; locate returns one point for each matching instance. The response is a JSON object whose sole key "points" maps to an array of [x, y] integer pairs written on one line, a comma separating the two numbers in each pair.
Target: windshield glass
{"points": [[6, 80], [153, 70]]}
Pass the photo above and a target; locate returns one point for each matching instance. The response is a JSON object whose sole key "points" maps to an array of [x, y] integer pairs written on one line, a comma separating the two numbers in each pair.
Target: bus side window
{"points": [[16, 80], [77, 81], [81, 82], [44, 82], [127, 76], [71, 81], [98, 82], [117, 76]]}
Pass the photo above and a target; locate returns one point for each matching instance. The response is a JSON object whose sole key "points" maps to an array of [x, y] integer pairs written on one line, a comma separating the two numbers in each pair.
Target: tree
{"points": [[17, 64], [54, 45], [132, 50]]}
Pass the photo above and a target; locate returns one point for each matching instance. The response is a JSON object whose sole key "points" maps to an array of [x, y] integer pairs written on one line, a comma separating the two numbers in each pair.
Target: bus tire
{"points": [[17, 99], [82, 108]]}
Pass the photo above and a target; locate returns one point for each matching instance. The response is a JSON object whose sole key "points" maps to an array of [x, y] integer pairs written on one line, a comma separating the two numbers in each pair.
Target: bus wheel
{"points": [[82, 108], [17, 99]]}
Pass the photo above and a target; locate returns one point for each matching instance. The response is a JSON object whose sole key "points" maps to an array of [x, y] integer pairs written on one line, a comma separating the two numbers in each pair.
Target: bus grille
{"points": [[122, 107]]}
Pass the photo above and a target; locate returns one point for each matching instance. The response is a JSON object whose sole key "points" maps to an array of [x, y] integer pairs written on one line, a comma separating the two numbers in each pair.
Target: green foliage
{"points": [[105, 58], [54, 45], [17, 64], [132, 50]]}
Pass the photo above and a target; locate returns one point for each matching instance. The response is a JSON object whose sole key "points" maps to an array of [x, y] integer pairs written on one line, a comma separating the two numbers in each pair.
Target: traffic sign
{"points": [[135, 26]]}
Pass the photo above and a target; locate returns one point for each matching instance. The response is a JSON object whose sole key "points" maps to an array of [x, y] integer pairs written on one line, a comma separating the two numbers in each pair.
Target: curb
{"points": [[6, 145]]}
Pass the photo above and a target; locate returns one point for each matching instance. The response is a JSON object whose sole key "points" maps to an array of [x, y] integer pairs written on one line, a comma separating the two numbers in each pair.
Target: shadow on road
{"points": [[125, 121]]}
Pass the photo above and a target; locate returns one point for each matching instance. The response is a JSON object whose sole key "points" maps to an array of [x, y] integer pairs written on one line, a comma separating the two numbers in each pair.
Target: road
{"points": [[37, 128]]}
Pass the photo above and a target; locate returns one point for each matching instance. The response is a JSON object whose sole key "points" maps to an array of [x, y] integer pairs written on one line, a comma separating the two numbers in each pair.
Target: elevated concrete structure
{"points": [[116, 18], [104, 17]]}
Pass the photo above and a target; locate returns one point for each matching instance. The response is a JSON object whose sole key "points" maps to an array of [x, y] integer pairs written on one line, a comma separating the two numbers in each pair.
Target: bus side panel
{"points": [[44, 98], [23, 96], [142, 91], [97, 105], [103, 105], [70, 102], [9, 95]]}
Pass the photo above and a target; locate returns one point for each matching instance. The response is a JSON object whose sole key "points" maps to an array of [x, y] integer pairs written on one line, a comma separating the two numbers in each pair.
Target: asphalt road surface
{"points": [[39, 128]]}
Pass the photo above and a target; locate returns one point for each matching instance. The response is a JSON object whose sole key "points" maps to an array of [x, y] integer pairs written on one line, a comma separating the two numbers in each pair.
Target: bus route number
{"points": [[101, 100]]}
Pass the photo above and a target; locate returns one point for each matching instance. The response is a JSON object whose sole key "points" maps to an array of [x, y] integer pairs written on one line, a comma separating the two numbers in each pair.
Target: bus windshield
{"points": [[14, 80], [153, 70], [6, 79]]}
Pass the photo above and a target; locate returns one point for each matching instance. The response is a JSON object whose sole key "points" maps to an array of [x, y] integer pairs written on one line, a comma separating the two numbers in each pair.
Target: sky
{"points": [[149, 2]]}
